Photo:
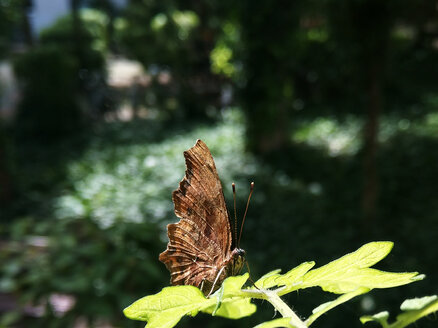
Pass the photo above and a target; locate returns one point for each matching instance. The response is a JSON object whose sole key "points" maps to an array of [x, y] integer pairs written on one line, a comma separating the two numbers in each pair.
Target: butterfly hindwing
{"points": [[200, 242]]}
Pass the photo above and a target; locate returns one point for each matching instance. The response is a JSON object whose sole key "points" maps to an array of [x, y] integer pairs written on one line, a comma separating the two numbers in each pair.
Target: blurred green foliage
{"points": [[179, 37], [319, 57], [10, 14], [71, 260], [92, 35], [107, 221], [55, 78], [110, 184], [89, 206]]}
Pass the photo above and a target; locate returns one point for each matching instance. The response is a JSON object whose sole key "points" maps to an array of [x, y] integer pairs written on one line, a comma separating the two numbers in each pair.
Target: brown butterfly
{"points": [[201, 250]]}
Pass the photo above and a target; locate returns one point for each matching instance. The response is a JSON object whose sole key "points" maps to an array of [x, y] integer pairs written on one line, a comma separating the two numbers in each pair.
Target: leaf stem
{"points": [[272, 297], [284, 309]]}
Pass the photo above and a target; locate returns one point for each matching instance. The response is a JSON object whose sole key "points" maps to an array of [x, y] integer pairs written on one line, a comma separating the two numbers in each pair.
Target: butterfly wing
{"points": [[201, 241]]}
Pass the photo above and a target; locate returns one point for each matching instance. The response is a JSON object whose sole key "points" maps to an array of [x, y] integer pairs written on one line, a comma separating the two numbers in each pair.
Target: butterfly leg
{"points": [[215, 281]]}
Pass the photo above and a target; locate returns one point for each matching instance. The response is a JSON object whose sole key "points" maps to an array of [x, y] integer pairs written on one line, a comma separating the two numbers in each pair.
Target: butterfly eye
{"points": [[240, 252]]}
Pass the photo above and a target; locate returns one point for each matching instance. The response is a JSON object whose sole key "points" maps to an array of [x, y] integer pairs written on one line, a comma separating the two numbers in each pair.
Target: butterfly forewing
{"points": [[200, 242]]}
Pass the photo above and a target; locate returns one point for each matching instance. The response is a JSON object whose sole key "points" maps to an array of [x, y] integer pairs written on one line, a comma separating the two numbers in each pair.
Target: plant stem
{"points": [[284, 309], [272, 297]]}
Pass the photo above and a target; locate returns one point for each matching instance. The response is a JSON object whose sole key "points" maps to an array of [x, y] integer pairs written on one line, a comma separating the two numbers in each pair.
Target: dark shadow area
{"points": [[310, 209]]}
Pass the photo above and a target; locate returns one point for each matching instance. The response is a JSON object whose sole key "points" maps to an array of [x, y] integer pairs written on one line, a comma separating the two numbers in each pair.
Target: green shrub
{"points": [[56, 74], [49, 107], [78, 259]]}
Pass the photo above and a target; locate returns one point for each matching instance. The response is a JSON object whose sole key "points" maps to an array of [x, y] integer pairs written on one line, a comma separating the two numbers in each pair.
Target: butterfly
{"points": [[201, 250]]}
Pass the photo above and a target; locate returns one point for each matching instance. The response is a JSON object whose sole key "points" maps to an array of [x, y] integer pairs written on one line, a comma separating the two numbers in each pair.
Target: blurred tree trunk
{"points": [[362, 30], [371, 132], [77, 35], [25, 23], [269, 36], [373, 38], [5, 176]]}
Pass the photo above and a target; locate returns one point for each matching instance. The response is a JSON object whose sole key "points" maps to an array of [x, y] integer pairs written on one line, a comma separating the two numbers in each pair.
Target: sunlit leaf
{"points": [[352, 271], [229, 302], [276, 323], [344, 275], [268, 280], [350, 275], [294, 275], [418, 303], [233, 285], [233, 308], [381, 317], [414, 309], [167, 307]]}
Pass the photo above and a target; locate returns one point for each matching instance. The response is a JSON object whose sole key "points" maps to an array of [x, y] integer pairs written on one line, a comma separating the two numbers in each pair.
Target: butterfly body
{"points": [[236, 261], [201, 250]]}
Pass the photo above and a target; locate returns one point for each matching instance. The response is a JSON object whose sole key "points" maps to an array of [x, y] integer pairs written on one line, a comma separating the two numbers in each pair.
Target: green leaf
{"points": [[323, 308], [229, 300], [381, 317], [414, 309], [350, 275], [352, 271], [234, 308], [167, 307], [343, 275], [275, 279], [293, 276], [276, 323], [268, 280], [417, 303], [232, 286]]}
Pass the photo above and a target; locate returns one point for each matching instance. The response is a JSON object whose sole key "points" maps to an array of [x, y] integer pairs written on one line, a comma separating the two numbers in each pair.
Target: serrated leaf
{"points": [[364, 257], [165, 309], [268, 280], [414, 309], [369, 278], [232, 286], [233, 308], [323, 308], [417, 303], [229, 302], [276, 323], [351, 271], [275, 279], [293, 276], [421, 307], [350, 275], [381, 317]]}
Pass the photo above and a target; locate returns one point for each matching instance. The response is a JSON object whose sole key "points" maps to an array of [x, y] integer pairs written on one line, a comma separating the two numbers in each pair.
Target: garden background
{"points": [[330, 107]]}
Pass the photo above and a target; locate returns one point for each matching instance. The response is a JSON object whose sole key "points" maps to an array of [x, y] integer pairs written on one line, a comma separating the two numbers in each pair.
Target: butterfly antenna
{"points": [[235, 210], [246, 210]]}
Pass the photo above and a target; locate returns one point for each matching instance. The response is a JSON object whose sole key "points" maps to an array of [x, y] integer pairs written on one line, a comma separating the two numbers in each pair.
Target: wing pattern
{"points": [[200, 243]]}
